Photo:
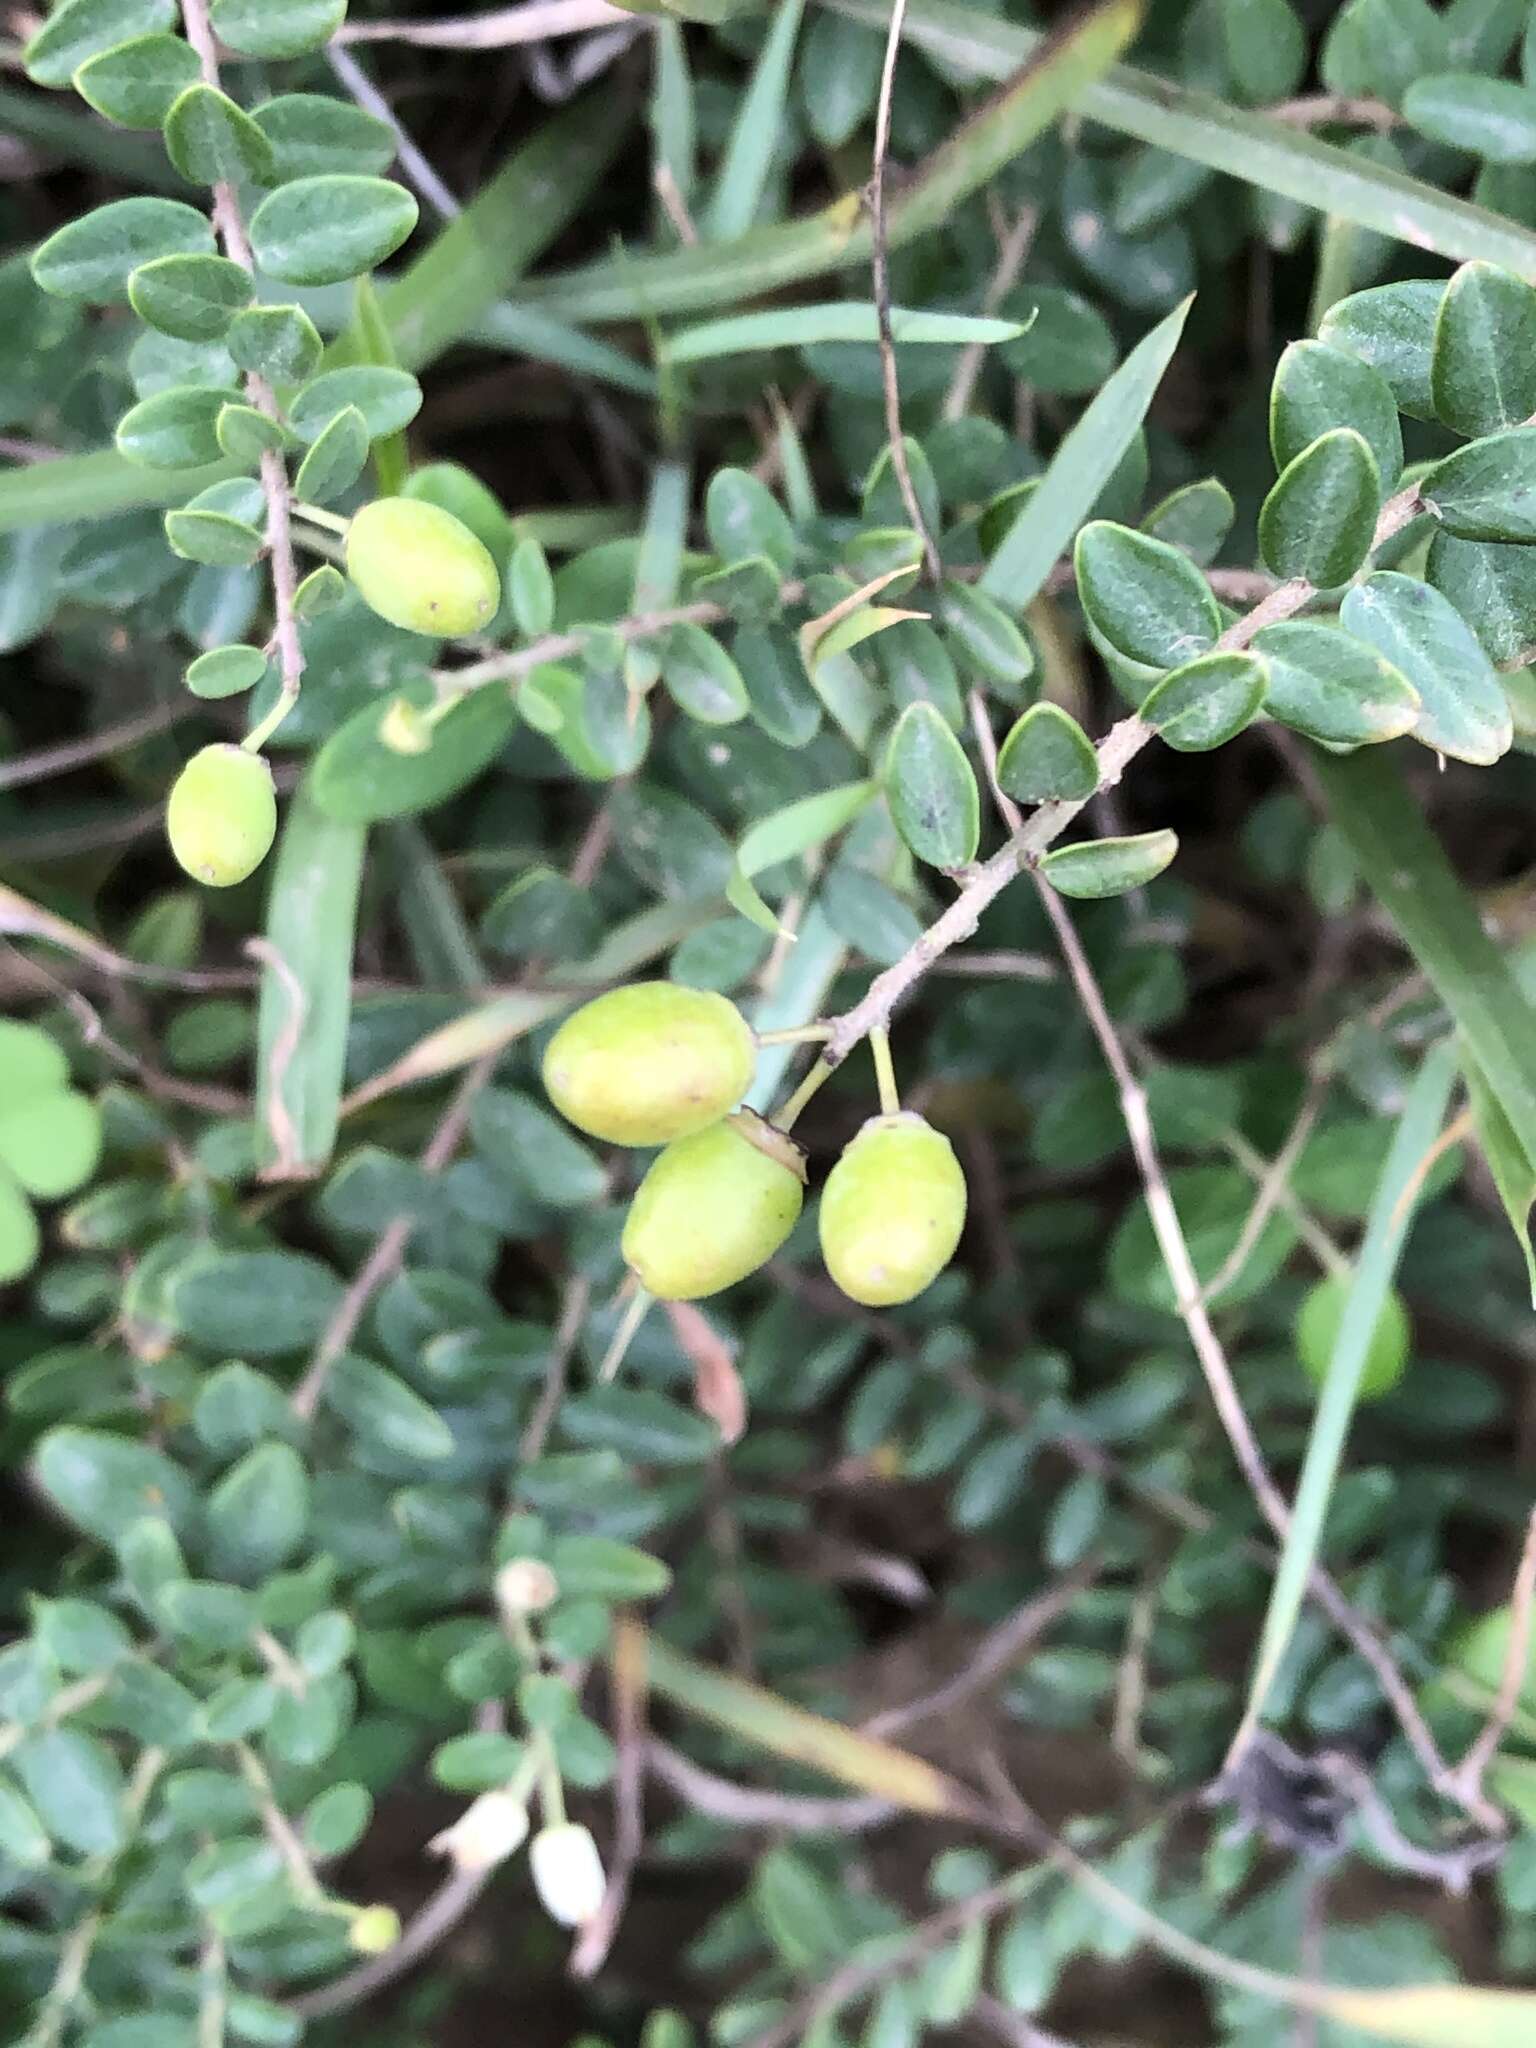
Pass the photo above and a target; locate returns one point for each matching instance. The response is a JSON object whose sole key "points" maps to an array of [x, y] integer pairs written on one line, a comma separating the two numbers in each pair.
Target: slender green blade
{"points": [[306, 989], [1386, 1227], [1262, 152], [94, 486], [838, 320], [1080, 468], [1407, 870], [755, 133]]}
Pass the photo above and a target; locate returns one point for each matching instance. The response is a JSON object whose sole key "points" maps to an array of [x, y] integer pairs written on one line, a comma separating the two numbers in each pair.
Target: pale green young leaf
{"points": [[784, 835]]}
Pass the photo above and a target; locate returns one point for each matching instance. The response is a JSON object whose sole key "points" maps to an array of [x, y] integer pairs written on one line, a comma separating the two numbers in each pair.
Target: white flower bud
{"points": [[485, 1833], [526, 1586], [567, 1873]]}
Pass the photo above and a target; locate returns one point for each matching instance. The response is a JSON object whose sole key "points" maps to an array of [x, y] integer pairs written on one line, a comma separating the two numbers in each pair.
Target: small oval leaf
{"points": [[931, 789]]}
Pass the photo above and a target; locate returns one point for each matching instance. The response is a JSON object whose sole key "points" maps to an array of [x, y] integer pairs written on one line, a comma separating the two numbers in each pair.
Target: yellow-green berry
{"points": [[1317, 1332], [714, 1207], [892, 1210], [422, 569], [222, 815], [649, 1063]]}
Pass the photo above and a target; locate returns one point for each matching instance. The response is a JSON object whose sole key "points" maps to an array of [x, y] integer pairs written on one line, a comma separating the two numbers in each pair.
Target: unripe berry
{"points": [[714, 1207], [1317, 1332], [222, 815], [421, 568], [892, 1210], [649, 1063]]}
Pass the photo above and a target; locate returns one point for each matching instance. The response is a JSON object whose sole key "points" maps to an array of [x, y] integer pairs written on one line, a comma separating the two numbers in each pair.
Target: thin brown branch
{"points": [[573, 1313], [535, 21], [1014, 247], [629, 1697], [230, 224], [880, 263], [1272, 1186], [1213, 1359], [1335, 110], [389, 1247], [746, 1806], [431, 1926], [59, 760], [1468, 1775]]}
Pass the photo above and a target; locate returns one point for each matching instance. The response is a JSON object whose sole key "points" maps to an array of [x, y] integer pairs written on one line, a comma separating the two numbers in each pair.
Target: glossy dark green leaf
{"points": [[193, 298], [255, 1303], [1463, 711], [931, 789], [226, 671], [358, 777], [1487, 490], [701, 678], [1196, 519], [314, 136], [280, 343], [1146, 598], [1326, 684], [388, 399], [1047, 757], [136, 83], [779, 697], [1319, 520], [1068, 346], [1492, 117], [1392, 327], [209, 1617], [384, 1411], [1317, 388], [1094, 868], [1265, 47], [1494, 589], [105, 1483], [640, 1423], [92, 258], [1154, 186], [327, 230], [335, 461], [258, 1513], [76, 1787], [1207, 702], [839, 77], [1483, 370], [983, 637], [277, 28], [211, 141], [522, 1139], [79, 30], [744, 519]]}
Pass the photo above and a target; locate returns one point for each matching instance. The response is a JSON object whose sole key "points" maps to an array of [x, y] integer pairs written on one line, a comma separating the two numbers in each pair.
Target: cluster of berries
{"points": [[659, 1064]]}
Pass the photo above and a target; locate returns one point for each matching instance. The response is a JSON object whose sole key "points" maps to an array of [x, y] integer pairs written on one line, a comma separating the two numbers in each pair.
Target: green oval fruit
{"points": [[222, 815], [892, 1211], [649, 1063], [714, 1207], [1317, 1331], [422, 569]]}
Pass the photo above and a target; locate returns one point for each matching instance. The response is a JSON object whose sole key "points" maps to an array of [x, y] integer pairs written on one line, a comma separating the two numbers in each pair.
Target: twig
{"points": [[1272, 1186], [389, 1248], [573, 1313], [1212, 1357], [533, 22], [1468, 1774], [1010, 261], [230, 224], [746, 1806], [48, 761], [880, 261], [280, 1830], [412, 162], [1131, 1679], [998, 1649], [436, 1920], [597, 1937], [1325, 109]]}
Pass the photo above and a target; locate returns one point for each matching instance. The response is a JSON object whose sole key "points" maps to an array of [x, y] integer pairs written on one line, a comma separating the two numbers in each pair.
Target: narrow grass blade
{"points": [[792, 830], [442, 946], [799, 326], [524, 332], [672, 113], [658, 564], [1270, 154], [1080, 468], [707, 277], [1512, 1171], [1438, 2015], [368, 340], [799, 995], [77, 487], [1386, 1227], [306, 989], [1406, 869], [755, 134], [761, 1717]]}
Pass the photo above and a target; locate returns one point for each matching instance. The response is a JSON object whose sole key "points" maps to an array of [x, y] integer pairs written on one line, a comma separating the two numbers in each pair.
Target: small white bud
{"points": [[526, 1586], [567, 1873], [486, 1833]]}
